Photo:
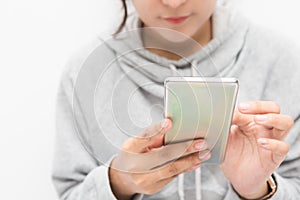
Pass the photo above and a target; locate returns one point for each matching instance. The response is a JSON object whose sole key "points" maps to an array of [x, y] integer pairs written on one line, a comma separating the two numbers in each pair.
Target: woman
{"points": [[113, 90]]}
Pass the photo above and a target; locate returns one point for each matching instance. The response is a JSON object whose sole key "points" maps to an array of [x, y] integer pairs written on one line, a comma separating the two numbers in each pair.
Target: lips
{"points": [[176, 20]]}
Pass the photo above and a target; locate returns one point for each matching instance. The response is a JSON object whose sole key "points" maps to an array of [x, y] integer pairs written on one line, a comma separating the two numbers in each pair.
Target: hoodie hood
{"points": [[215, 59]]}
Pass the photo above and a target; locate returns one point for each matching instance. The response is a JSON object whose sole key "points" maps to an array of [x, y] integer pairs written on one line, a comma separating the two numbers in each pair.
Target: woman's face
{"points": [[184, 16]]}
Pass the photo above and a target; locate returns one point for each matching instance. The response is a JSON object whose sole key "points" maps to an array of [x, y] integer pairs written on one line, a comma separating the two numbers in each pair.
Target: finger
{"points": [[161, 156], [152, 136], [278, 148], [280, 122], [154, 188], [241, 119], [181, 165], [259, 107], [234, 129]]}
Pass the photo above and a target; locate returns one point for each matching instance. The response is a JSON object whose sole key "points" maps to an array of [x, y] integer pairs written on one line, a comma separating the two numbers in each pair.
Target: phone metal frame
{"points": [[219, 154]]}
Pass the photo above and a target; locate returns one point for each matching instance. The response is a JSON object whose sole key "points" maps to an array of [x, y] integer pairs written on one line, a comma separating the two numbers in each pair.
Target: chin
{"points": [[174, 35]]}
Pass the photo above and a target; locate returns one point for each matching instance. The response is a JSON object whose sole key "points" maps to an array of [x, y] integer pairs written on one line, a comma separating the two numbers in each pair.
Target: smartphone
{"points": [[200, 107]]}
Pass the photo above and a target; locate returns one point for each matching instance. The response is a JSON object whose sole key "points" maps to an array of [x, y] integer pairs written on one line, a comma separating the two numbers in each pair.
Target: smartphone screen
{"points": [[201, 108]]}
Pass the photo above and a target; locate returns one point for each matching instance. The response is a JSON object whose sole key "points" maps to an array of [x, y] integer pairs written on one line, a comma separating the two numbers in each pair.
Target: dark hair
{"points": [[121, 26]]}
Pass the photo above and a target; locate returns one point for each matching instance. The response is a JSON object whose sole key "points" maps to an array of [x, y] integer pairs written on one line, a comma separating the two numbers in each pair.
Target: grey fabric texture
{"points": [[112, 89]]}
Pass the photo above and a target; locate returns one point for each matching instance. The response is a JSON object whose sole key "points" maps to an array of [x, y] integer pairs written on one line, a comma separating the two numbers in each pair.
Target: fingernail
{"points": [[196, 166], [164, 123], [244, 106], [201, 145], [263, 141], [261, 118], [203, 155]]}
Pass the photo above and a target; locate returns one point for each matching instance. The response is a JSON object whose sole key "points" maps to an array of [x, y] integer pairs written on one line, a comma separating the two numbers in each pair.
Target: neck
{"points": [[156, 44]]}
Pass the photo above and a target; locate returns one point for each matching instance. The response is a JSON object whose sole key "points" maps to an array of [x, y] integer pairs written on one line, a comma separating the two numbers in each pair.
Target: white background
{"points": [[37, 38]]}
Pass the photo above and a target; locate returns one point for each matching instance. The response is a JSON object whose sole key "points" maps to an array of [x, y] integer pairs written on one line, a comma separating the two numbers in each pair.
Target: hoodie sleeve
{"points": [[76, 174]]}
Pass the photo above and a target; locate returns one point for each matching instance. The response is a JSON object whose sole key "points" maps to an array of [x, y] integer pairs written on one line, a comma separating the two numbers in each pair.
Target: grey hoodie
{"points": [[113, 89]]}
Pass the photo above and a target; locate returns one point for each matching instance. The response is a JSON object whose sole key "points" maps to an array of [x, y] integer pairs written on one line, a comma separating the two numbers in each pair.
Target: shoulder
{"points": [[274, 62], [267, 50], [95, 50], [270, 45]]}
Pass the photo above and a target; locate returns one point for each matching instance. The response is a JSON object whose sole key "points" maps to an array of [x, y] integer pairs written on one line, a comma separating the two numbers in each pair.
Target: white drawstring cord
{"points": [[194, 68], [181, 186], [174, 70], [198, 183]]}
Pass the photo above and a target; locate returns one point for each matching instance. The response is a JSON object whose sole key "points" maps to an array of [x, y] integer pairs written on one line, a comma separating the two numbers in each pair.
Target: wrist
{"points": [[255, 195], [119, 188], [267, 191]]}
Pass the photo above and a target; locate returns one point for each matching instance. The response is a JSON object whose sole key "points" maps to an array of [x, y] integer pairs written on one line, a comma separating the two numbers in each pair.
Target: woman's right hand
{"points": [[145, 165]]}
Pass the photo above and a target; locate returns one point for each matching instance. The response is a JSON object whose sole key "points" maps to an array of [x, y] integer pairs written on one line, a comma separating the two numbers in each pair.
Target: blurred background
{"points": [[37, 37]]}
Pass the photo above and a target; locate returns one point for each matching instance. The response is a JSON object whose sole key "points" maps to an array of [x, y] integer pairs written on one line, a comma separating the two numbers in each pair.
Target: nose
{"points": [[173, 3]]}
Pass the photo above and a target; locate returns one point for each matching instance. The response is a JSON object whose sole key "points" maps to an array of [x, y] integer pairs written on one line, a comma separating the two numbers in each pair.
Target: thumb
{"points": [[149, 138], [241, 119], [279, 149]]}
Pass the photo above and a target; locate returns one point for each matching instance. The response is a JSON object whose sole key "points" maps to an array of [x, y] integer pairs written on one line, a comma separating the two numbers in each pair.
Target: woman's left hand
{"points": [[255, 147]]}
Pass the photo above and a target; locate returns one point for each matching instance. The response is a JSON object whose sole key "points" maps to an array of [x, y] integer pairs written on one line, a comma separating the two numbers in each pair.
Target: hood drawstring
{"points": [[198, 183], [174, 70], [181, 186], [198, 170], [194, 68]]}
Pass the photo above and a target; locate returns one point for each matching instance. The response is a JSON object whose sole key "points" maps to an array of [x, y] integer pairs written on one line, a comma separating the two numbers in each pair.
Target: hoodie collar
{"points": [[146, 68]]}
